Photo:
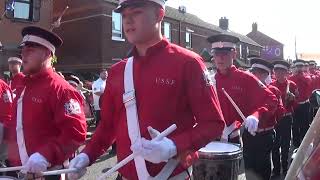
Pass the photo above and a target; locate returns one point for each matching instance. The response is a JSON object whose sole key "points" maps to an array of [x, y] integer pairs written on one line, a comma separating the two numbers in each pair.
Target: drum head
{"points": [[216, 150]]}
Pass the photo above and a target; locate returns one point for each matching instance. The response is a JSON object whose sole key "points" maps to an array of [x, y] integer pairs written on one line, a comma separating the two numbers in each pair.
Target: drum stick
{"points": [[58, 172], [311, 136], [125, 161], [234, 105], [10, 169]]}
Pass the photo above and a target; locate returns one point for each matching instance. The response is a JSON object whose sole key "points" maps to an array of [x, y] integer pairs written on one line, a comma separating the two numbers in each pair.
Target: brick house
{"points": [[246, 47], [93, 35], [25, 13], [272, 49]]}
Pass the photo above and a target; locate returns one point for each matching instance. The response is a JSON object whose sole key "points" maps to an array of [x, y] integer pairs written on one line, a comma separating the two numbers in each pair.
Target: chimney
{"points": [[182, 9], [254, 27], [224, 23]]}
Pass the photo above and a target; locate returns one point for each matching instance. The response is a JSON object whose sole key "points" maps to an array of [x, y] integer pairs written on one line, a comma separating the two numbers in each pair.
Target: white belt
{"points": [[182, 175], [303, 102], [265, 129]]}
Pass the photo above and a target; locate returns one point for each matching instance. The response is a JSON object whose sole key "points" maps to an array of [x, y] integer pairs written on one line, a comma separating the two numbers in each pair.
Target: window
{"points": [[167, 30], [188, 39], [116, 27], [23, 10]]}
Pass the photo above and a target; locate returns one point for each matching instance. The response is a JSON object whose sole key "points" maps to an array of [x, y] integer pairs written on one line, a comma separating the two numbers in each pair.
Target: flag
{"points": [[10, 6]]}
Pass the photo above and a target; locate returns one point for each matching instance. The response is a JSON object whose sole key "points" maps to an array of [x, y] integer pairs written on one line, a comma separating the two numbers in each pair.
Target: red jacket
{"points": [[251, 96], [288, 105], [53, 120], [16, 83], [274, 119], [5, 103], [304, 84], [170, 89]]}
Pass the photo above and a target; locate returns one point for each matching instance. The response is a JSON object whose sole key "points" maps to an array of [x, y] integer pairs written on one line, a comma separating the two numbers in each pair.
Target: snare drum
{"points": [[7, 178], [218, 161]]}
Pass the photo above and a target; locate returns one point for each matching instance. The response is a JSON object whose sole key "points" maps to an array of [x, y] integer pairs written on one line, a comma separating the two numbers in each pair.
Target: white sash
{"points": [[129, 101], [19, 129]]}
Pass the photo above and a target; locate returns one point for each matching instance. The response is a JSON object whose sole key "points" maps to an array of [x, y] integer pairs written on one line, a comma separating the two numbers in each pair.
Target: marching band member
{"points": [[289, 93], [301, 120], [261, 152], [48, 123], [16, 81], [252, 97], [171, 86], [5, 116]]}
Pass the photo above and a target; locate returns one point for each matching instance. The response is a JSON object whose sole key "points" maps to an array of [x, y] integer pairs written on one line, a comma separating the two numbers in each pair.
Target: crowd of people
{"points": [[43, 121]]}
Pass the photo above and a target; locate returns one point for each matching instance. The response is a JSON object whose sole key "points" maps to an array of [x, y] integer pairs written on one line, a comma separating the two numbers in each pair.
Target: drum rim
{"points": [[233, 155], [8, 177]]}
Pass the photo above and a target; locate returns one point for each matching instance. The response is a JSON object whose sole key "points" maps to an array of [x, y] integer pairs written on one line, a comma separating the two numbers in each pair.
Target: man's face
{"points": [[140, 23], [223, 59], [260, 74], [103, 75], [280, 73], [298, 69], [14, 67], [33, 57]]}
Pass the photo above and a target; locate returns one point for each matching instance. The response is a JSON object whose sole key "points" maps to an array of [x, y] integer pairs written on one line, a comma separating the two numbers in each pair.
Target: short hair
{"points": [[102, 70]]}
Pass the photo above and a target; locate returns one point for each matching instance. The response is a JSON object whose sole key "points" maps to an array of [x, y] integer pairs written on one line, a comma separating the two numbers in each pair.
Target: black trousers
{"points": [[97, 116], [301, 123], [282, 140], [257, 154]]}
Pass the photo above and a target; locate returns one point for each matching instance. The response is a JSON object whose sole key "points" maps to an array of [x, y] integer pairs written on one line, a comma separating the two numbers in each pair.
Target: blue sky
{"points": [[282, 20]]}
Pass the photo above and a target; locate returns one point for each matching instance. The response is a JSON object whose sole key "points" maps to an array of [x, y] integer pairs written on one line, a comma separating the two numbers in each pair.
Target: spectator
{"points": [[98, 87]]}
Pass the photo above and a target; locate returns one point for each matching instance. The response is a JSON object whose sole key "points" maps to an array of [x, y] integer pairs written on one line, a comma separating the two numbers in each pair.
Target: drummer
{"points": [[260, 145], [5, 117], [48, 122], [289, 92], [252, 96], [165, 92]]}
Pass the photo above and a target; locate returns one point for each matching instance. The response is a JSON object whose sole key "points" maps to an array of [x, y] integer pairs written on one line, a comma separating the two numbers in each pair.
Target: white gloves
{"points": [[155, 151], [251, 123], [36, 164], [1, 133], [227, 131], [80, 162]]}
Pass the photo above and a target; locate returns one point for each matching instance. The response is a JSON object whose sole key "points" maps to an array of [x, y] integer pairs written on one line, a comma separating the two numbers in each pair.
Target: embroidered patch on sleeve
{"points": [[72, 107], [207, 78]]}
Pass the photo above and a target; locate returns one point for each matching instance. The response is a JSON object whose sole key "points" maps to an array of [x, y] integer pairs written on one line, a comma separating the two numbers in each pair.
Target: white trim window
{"points": [[117, 27], [167, 30], [188, 39], [23, 10]]}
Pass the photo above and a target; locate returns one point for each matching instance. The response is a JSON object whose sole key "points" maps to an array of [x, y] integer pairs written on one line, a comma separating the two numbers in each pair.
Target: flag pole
{"points": [[295, 47]]}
